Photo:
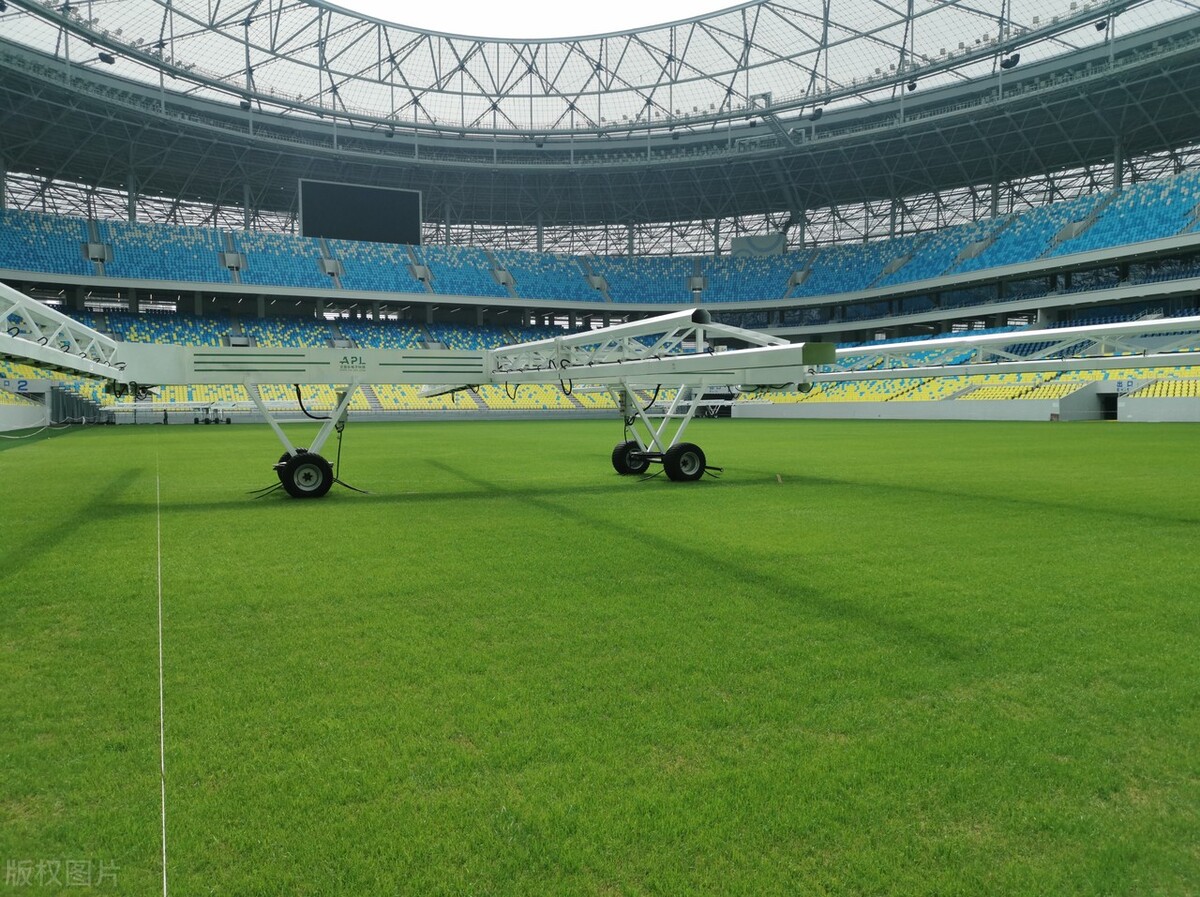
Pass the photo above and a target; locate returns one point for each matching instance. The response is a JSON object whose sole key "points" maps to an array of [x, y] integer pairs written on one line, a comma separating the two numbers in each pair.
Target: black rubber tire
{"points": [[622, 461], [306, 476], [279, 467], [684, 463]]}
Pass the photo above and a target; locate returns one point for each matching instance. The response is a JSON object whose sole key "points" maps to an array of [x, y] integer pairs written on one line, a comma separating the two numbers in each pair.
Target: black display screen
{"points": [[357, 212]]}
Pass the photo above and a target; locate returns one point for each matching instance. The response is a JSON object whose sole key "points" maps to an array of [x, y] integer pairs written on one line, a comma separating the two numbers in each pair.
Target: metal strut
{"points": [[652, 436], [659, 438], [304, 473]]}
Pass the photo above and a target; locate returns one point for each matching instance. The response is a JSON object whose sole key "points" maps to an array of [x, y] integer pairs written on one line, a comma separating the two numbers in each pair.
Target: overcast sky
{"points": [[557, 18]]}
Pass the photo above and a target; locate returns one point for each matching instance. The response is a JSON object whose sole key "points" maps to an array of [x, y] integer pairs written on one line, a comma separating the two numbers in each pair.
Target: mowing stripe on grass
{"points": [[162, 748]]}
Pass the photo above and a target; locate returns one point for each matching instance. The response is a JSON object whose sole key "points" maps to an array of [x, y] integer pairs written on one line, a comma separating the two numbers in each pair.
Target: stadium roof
{"points": [[768, 106]]}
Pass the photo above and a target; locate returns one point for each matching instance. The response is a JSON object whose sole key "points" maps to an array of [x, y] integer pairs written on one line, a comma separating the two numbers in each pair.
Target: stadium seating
{"points": [[32, 241], [938, 252], [164, 252], [659, 279], [461, 270], [12, 398], [407, 398], [281, 260], [533, 334], [180, 330], [287, 332], [748, 278], [376, 267], [529, 397], [1002, 386], [1172, 388], [469, 338], [383, 335], [852, 266], [1146, 211], [539, 275], [1029, 234]]}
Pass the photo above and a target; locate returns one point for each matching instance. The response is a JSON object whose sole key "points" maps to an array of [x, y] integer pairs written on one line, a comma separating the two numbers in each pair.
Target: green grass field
{"points": [[873, 658]]}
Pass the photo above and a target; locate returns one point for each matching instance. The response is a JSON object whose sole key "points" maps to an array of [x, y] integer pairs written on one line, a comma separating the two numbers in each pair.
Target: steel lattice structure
{"points": [[757, 117]]}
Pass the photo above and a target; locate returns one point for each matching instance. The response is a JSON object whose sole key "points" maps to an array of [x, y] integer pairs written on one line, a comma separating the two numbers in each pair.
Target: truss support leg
{"points": [[303, 472], [658, 436]]}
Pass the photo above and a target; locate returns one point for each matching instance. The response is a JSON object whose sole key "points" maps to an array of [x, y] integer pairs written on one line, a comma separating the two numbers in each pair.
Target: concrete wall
{"points": [[1147, 410], [1083, 404], [944, 410], [22, 417]]}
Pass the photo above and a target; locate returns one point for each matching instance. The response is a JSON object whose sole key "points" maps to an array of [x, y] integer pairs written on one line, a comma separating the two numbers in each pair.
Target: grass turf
{"points": [[873, 658]]}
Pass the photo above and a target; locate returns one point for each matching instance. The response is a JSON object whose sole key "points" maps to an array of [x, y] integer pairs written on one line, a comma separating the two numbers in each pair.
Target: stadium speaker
{"points": [[107, 58], [816, 114], [1102, 24], [245, 104], [1011, 61], [912, 85]]}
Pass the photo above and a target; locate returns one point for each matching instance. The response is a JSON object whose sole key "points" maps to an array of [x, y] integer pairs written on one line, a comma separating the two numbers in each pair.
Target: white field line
{"points": [[162, 740]]}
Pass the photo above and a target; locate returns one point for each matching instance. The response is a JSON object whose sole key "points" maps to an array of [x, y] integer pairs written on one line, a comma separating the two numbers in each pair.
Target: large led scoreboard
{"points": [[358, 212]]}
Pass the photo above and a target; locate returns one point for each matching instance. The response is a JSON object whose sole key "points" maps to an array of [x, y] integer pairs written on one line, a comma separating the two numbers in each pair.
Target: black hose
{"points": [[300, 401]]}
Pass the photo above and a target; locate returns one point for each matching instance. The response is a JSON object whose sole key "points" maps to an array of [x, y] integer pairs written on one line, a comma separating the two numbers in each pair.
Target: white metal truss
{"points": [[331, 422], [1170, 340], [35, 333], [657, 427], [672, 334]]}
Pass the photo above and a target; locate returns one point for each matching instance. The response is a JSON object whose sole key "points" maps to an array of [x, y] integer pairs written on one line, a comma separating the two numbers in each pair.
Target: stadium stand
{"points": [[749, 278], [646, 278], [540, 275], [32, 241], [1029, 234], [472, 338], [377, 267], [287, 332], [8, 397], [180, 330], [163, 252], [38, 242], [280, 260], [939, 252], [461, 270], [1145, 211], [390, 335], [855, 266]]}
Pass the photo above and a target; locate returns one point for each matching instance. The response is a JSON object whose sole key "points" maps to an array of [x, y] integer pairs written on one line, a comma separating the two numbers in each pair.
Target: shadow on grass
{"points": [[101, 506], [655, 544], [747, 478], [18, 438], [484, 492], [1138, 514]]}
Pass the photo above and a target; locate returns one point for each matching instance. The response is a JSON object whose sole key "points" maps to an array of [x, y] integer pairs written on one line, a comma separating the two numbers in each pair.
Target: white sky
{"points": [[549, 18]]}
